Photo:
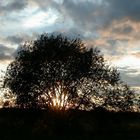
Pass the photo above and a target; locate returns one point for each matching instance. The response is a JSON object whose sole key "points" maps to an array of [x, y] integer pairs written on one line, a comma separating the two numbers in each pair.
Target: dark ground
{"points": [[21, 124]]}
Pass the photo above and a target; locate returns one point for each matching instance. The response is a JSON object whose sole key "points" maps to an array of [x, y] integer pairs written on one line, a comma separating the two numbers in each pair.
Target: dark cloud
{"points": [[86, 15], [123, 30], [91, 15], [112, 44], [82, 13], [119, 9], [5, 52], [14, 5], [15, 39], [18, 39]]}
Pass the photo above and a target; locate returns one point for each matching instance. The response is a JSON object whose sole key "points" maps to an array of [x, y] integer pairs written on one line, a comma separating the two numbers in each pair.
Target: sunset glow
{"points": [[57, 98]]}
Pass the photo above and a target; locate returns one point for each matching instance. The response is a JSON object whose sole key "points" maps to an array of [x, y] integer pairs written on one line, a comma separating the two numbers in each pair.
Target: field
{"points": [[71, 125]]}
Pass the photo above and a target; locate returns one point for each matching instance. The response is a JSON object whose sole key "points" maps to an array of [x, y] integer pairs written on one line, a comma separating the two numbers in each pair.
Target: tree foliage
{"points": [[55, 71]]}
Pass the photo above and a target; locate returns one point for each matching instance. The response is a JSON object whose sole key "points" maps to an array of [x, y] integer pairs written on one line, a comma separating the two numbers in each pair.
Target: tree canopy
{"points": [[58, 72]]}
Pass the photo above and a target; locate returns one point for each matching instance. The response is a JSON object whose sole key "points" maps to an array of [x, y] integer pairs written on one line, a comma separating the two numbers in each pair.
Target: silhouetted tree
{"points": [[55, 71], [120, 97]]}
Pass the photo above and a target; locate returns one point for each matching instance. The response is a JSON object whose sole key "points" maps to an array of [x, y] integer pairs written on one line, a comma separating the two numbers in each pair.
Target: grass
{"points": [[26, 124]]}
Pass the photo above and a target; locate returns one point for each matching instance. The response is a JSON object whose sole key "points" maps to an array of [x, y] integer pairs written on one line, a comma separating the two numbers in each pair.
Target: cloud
{"points": [[45, 4], [119, 9], [18, 39], [108, 24], [94, 14], [15, 39], [88, 16], [132, 80], [111, 25], [13, 6], [136, 54], [6, 52], [84, 14], [123, 30]]}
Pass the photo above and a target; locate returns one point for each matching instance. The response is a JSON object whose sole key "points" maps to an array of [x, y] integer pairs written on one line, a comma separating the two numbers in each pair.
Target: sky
{"points": [[111, 25]]}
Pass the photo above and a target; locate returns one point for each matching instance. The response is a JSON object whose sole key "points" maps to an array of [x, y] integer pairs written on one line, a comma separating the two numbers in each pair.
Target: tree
{"points": [[55, 71], [120, 98]]}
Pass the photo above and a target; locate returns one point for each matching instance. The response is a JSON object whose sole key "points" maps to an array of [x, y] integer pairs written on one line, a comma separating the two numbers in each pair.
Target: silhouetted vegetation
{"points": [[99, 124], [63, 90], [61, 73]]}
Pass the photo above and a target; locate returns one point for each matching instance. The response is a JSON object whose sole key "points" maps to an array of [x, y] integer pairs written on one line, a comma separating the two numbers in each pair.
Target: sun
{"points": [[56, 98], [60, 101]]}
